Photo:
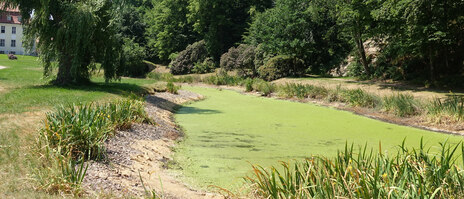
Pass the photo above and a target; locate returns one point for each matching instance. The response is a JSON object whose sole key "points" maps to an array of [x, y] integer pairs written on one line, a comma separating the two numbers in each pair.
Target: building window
{"points": [[20, 18], [13, 43], [2, 52], [2, 42], [3, 29], [13, 52], [13, 30], [8, 17]]}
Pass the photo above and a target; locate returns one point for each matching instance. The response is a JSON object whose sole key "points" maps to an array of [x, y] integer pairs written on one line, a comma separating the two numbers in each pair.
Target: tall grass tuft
{"points": [[82, 129], [264, 87], [360, 98], [302, 91], [452, 107], [401, 105], [411, 173], [172, 88], [76, 133]]}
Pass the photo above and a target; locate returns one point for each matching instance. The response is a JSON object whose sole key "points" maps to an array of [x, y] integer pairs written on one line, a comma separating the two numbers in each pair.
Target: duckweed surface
{"points": [[228, 131]]}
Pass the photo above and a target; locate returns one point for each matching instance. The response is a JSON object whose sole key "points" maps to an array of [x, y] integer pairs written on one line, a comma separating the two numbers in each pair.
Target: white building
{"points": [[11, 33]]}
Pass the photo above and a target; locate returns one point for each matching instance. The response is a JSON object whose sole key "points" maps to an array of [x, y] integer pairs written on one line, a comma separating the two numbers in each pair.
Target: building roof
{"points": [[10, 15]]}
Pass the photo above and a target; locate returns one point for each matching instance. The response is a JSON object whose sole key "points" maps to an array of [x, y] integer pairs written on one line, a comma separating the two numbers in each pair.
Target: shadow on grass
{"points": [[174, 108], [193, 110], [404, 86], [122, 89]]}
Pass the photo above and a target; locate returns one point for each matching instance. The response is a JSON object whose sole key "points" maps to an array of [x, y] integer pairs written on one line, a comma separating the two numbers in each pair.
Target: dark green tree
{"points": [[303, 29], [221, 23], [422, 33], [356, 18], [168, 30], [75, 34]]}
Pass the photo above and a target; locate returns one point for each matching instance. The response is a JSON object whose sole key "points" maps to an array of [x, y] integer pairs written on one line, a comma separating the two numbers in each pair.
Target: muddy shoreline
{"points": [[139, 155]]}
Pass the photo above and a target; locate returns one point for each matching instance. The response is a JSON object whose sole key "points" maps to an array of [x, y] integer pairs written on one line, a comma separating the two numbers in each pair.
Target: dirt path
{"points": [[379, 88], [141, 154]]}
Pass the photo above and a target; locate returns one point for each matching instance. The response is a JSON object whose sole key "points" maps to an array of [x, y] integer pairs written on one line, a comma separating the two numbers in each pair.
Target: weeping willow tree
{"points": [[73, 35]]}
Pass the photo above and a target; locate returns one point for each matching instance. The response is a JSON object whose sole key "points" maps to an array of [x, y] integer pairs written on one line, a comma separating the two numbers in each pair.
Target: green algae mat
{"points": [[229, 131]]}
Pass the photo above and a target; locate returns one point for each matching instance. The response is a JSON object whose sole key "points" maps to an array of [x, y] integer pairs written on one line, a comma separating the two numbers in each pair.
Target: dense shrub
{"points": [[242, 59], [185, 60], [132, 59], [266, 88], [206, 66], [282, 66], [307, 30]]}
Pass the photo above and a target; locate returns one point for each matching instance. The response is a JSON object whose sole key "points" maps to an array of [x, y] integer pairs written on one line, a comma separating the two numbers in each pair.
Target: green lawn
{"points": [[23, 91], [228, 131], [27, 90]]}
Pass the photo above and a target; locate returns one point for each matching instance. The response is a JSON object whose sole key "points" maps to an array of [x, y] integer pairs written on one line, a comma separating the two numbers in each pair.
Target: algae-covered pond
{"points": [[228, 131]]}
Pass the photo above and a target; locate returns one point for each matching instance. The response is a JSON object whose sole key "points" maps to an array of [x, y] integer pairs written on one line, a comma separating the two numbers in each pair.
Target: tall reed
{"points": [[411, 173], [452, 107], [82, 129], [401, 105]]}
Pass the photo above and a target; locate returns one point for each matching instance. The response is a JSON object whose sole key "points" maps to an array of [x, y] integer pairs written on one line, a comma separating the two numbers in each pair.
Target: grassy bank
{"points": [[25, 97]]}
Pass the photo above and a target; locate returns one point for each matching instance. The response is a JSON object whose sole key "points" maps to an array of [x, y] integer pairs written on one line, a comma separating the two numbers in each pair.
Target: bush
{"points": [[266, 88], [248, 84], [241, 59], [81, 130], [366, 174], [206, 66], [281, 66], [132, 60], [401, 105], [185, 60]]}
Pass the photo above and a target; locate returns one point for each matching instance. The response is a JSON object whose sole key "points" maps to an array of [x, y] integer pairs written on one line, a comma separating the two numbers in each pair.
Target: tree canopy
{"points": [[76, 34], [416, 38]]}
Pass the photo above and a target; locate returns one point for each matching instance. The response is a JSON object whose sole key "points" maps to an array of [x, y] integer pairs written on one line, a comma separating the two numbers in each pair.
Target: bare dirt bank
{"points": [[140, 155]]}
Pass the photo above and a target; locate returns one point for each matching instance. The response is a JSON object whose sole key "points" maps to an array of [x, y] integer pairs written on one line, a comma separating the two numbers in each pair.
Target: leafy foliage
{"points": [[221, 23], [168, 30], [132, 59], [282, 66], [186, 60], [306, 30], [242, 59], [76, 34]]}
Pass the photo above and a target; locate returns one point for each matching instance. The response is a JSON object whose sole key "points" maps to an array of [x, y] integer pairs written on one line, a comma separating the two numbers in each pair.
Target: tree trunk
{"points": [[362, 54], [64, 76], [431, 67]]}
